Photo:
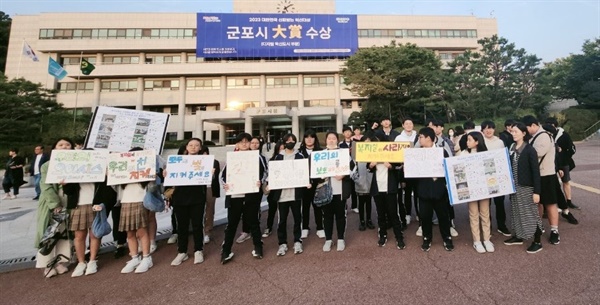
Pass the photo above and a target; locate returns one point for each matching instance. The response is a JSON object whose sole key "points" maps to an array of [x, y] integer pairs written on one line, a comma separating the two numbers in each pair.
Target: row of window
{"points": [[418, 33]]}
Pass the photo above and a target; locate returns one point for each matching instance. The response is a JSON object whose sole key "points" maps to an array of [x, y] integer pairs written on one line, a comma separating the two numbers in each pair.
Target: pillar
{"points": [[139, 105], [142, 58], [248, 124], [222, 135], [181, 109], [336, 86], [300, 91], [199, 132], [295, 123], [263, 91], [339, 119], [97, 90], [99, 59], [223, 93]]}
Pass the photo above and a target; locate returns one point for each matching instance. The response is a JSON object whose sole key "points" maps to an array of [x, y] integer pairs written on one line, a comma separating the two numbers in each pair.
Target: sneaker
{"points": [[144, 265], [243, 237], [13, 196], [400, 244], [61, 268], [479, 247], [92, 267], [355, 210], [226, 257], [362, 226], [570, 218], [327, 246], [513, 241], [426, 245], [382, 240], [554, 237], [573, 206], [370, 225], [153, 247], [504, 231], [7, 196], [341, 245], [408, 218], [79, 270], [172, 239], [298, 248], [453, 232], [282, 250], [266, 233], [489, 246], [131, 265], [534, 248], [305, 234], [198, 257], [448, 245], [36, 198], [50, 272], [258, 252], [420, 231], [206, 239], [321, 233], [180, 258], [120, 252]]}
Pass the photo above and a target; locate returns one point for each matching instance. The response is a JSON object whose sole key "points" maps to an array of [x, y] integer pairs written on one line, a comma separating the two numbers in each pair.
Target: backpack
{"points": [[536, 136]]}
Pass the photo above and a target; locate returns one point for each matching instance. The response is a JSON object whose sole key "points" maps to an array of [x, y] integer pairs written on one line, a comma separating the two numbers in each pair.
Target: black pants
{"points": [[500, 212], [307, 202], [284, 210], [7, 183], [451, 210], [409, 190], [387, 211], [401, 208], [174, 223], [364, 205], [354, 196], [119, 237], [249, 211], [271, 213], [427, 206], [336, 209], [186, 214]]}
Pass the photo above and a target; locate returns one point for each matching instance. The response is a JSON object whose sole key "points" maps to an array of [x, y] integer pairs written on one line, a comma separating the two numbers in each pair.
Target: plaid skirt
{"points": [[133, 216], [82, 218]]}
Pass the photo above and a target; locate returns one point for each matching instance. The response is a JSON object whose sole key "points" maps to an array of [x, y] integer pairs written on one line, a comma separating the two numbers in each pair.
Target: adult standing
{"points": [[13, 176], [34, 170], [357, 134], [347, 143]]}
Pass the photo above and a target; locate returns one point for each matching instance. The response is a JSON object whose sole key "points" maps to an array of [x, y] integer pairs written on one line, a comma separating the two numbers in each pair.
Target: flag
{"points": [[86, 67], [29, 52], [55, 69]]}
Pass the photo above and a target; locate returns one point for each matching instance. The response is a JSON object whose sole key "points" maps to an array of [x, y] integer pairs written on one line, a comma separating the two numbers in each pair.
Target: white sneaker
{"points": [[144, 265], [79, 270], [92, 267], [243, 237], [489, 247], [408, 218], [131, 265], [355, 210], [172, 239], [298, 248], [327, 246], [479, 247], [153, 247], [206, 239], [453, 232], [61, 268], [304, 234], [198, 257], [321, 233], [15, 197], [180, 258], [6, 196], [341, 245], [420, 231], [282, 250]]}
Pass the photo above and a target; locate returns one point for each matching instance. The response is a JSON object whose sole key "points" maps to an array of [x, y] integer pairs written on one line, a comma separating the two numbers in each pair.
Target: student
{"points": [[526, 174], [13, 176], [173, 238], [357, 134], [243, 205], [433, 196], [386, 133], [310, 143], [408, 134], [212, 193], [506, 135], [479, 211], [363, 190], [279, 147], [460, 144], [347, 143]]}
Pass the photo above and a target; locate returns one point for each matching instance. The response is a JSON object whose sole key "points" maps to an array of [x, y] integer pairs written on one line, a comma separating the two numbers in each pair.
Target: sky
{"points": [[547, 28]]}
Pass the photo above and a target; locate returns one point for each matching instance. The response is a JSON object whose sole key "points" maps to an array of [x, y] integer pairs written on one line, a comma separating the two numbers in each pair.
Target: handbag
{"points": [[323, 193], [100, 226], [153, 199], [55, 231]]}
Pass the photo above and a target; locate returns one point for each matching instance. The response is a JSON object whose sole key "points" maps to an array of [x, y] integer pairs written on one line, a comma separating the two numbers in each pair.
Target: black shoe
{"points": [[258, 252], [448, 245], [382, 240], [504, 231], [36, 198], [569, 204], [400, 244], [226, 257], [534, 248], [362, 226], [554, 238], [570, 218], [513, 241], [426, 245], [370, 225], [403, 226], [120, 252]]}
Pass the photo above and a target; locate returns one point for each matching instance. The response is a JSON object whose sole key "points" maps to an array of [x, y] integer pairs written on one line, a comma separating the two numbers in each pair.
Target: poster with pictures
{"points": [[482, 175], [119, 130]]}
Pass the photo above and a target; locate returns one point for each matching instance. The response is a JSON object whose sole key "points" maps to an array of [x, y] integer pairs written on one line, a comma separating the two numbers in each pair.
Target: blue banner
{"points": [[276, 35], [55, 69]]}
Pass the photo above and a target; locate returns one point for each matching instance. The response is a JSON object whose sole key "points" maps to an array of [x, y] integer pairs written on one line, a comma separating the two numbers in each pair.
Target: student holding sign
{"points": [[310, 144], [270, 201]]}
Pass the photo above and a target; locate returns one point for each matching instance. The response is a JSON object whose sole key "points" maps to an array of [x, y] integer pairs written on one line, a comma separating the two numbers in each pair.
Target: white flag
{"points": [[29, 52]]}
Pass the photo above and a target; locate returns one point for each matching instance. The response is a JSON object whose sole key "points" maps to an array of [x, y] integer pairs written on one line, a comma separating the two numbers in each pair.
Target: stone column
{"points": [[248, 124], [300, 91], [181, 109], [339, 119], [263, 91], [97, 90], [140, 94], [222, 135], [295, 123], [199, 132], [223, 92]]}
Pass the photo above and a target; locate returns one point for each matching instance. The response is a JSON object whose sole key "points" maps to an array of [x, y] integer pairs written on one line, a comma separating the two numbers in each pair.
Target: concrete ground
{"points": [[568, 273]]}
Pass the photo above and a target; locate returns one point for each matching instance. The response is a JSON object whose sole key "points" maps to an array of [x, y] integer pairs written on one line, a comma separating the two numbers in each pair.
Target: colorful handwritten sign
{"points": [[330, 163], [189, 170], [80, 166], [392, 152], [242, 172], [288, 174], [131, 167], [424, 162]]}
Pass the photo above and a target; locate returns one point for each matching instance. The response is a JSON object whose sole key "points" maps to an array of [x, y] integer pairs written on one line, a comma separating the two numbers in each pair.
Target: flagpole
{"points": [[77, 92], [20, 58]]}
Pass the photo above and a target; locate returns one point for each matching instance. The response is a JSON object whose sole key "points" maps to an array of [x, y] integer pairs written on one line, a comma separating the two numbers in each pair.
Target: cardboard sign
{"points": [[330, 163], [288, 174], [424, 162], [189, 170], [77, 166], [131, 167], [392, 152], [242, 172]]}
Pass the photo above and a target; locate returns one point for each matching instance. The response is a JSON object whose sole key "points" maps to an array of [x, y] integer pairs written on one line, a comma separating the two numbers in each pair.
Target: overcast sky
{"points": [[550, 29]]}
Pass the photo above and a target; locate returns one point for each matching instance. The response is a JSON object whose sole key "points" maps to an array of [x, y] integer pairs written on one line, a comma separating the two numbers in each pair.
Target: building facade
{"points": [[148, 61]]}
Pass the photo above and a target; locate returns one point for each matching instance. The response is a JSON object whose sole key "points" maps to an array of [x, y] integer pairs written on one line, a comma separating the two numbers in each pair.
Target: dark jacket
{"points": [[393, 179], [299, 191], [14, 175], [215, 186], [564, 157], [379, 133], [528, 169], [507, 138], [44, 159], [102, 194], [432, 188]]}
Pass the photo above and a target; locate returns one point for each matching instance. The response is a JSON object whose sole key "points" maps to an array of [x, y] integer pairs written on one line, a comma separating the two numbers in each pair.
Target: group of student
{"points": [[539, 155]]}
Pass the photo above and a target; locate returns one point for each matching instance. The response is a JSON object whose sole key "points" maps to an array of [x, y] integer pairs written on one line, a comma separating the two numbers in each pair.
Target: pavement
{"points": [[568, 273]]}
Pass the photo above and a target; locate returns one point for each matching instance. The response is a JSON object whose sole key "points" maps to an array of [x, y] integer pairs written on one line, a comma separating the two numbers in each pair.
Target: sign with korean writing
{"points": [[330, 163], [131, 167], [392, 152], [288, 174], [242, 172], [275, 35], [189, 170], [471, 177], [77, 166], [424, 162]]}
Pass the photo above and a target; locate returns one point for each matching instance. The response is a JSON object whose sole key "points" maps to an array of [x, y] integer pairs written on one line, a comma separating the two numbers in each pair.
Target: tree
{"points": [[5, 23], [356, 119], [583, 81]]}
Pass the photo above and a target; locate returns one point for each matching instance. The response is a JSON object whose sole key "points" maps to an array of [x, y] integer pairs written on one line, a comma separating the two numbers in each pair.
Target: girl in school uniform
{"points": [[310, 143], [363, 190], [270, 199]]}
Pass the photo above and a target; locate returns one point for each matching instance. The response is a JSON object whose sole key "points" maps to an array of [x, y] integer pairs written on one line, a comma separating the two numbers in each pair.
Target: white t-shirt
{"points": [[405, 137], [493, 143], [36, 168], [86, 193], [382, 178], [290, 193], [133, 192]]}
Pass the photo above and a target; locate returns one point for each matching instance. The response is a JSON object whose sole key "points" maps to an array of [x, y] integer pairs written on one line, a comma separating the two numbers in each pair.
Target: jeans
{"points": [[427, 206], [37, 178], [284, 209], [387, 211], [336, 209], [248, 213], [186, 214]]}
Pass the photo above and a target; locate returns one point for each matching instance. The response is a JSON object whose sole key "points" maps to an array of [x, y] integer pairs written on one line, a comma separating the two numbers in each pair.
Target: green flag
{"points": [[86, 67]]}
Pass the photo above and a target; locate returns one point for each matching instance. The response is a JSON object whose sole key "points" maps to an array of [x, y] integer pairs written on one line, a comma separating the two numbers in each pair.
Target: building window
{"points": [[161, 59], [241, 83], [119, 60], [117, 33], [191, 58], [171, 136], [158, 85], [417, 33], [159, 109], [81, 87], [318, 81], [203, 84], [193, 109], [119, 86], [74, 61], [288, 104], [320, 103], [282, 82]]}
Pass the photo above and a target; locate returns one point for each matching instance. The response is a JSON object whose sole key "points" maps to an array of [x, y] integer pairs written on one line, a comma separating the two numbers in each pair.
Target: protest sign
{"points": [[131, 167], [77, 166], [330, 163], [288, 174], [392, 152], [471, 177], [242, 172], [424, 162], [189, 170]]}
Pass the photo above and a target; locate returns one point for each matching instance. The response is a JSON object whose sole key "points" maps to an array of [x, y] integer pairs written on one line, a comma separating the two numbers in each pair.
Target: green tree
{"points": [[583, 81], [356, 119], [5, 22]]}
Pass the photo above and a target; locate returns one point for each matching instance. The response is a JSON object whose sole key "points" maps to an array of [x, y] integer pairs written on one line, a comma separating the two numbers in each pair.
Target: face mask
{"points": [[290, 145]]}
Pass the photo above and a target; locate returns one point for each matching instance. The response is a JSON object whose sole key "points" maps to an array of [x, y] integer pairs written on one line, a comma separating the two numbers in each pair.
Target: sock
{"points": [[569, 201], [565, 211], [554, 228]]}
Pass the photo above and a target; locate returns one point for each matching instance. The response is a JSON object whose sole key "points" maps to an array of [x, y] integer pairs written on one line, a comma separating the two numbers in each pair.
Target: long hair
{"points": [[310, 133], [64, 139], [520, 126], [478, 137], [276, 150]]}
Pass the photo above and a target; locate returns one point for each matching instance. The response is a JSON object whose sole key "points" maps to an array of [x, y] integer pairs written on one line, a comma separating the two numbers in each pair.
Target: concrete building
{"points": [[148, 61]]}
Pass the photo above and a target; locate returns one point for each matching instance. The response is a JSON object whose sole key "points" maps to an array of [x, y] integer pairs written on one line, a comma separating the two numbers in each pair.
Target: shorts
{"points": [[567, 174], [548, 194]]}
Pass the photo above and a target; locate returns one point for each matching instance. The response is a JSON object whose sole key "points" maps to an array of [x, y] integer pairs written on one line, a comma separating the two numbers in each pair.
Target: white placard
{"points": [[242, 172], [482, 175], [131, 167], [330, 163], [119, 130], [189, 170], [77, 166], [285, 174], [424, 162]]}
